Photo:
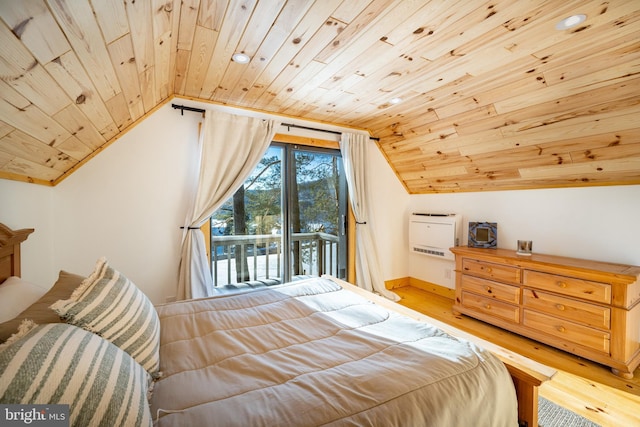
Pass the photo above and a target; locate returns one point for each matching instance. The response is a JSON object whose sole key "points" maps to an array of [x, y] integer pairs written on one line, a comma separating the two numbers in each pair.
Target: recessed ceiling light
{"points": [[570, 22], [240, 58], [395, 100]]}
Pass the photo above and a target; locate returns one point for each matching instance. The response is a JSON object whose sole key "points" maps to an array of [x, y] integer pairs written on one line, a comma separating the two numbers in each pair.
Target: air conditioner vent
{"points": [[433, 234], [428, 251]]}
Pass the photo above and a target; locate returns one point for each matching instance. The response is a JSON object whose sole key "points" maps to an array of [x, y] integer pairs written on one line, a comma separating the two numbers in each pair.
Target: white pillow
{"points": [[16, 295]]}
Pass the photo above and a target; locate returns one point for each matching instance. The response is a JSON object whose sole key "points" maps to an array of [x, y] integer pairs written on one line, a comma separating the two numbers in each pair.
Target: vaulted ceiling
{"points": [[493, 96]]}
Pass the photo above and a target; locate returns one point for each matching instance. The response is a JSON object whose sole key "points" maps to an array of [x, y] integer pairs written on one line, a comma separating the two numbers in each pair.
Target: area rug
{"points": [[553, 415]]}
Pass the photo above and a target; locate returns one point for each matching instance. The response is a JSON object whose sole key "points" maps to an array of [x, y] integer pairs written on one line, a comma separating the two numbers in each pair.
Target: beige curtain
{"points": [[354, 148], [231, 148]]}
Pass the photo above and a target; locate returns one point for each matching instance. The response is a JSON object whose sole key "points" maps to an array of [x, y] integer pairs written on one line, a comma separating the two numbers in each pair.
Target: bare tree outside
{"points": [[256, 210]]}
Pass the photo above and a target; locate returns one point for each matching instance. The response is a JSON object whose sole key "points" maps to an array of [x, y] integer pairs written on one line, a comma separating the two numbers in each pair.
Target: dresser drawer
{"points": [[570, 286], [491, 307], [576, 311], [566, 331], [489, 289], [503, 273]]}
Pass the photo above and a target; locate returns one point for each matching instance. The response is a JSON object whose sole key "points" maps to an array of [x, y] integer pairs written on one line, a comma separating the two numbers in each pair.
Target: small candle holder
{"points": [[524, 247]]}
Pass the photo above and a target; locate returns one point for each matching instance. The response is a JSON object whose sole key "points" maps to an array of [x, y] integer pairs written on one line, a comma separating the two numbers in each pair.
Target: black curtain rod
{"points": [[182, 109]]}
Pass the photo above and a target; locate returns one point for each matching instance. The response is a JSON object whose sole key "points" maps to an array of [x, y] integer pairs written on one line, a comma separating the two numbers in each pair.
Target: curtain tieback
{"points": [[361, 223], [189, 228]]}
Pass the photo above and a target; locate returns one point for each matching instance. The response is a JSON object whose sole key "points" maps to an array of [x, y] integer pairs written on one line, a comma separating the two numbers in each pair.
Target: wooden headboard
{"points": [[10, 250]]}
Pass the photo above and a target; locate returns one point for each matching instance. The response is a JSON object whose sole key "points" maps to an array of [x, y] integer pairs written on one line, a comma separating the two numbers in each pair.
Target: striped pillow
{"points": [[59, 363], [110, 305]]}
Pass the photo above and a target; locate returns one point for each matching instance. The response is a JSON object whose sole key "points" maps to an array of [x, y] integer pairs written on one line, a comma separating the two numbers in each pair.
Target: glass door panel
{"points": [[317, 205], [246, 232], [295, 203]]}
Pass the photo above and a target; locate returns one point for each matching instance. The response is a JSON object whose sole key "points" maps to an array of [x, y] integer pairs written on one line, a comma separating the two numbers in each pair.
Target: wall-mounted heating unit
{"points": [[433, 234]]}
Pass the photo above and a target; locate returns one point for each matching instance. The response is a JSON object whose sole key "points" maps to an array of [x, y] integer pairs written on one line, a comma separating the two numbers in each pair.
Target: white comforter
{"points": [[311, 353]]}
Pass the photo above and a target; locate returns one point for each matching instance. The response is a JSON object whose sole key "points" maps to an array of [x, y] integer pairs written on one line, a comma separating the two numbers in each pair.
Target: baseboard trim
{"points": [[397, 283], [440, 290]]}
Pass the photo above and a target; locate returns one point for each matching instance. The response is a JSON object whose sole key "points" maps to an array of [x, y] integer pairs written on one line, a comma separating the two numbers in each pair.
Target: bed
{"points": [[313, 352]]}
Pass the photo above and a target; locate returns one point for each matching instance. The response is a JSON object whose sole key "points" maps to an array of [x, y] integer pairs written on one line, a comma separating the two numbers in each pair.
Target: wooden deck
{"points": [[585, 387]]}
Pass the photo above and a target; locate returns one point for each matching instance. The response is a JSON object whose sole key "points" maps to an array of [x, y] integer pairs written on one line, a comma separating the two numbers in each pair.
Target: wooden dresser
{"points": [[588, 308]]}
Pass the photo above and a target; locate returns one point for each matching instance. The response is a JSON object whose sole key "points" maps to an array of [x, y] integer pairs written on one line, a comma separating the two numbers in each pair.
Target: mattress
{"points": [[311, 353]]}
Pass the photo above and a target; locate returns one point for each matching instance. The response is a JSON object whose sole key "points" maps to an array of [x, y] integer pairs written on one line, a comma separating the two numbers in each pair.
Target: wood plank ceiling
{"points": [[493, 96]]}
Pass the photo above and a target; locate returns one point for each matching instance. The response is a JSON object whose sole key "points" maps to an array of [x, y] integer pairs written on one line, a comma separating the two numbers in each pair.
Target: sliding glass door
{"points": [[287, 221]]}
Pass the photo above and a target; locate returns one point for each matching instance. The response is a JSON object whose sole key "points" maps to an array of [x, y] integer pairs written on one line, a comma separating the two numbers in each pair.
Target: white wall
{"points": [[598, 223], [129, 202], [390, 210], [24, 205]]}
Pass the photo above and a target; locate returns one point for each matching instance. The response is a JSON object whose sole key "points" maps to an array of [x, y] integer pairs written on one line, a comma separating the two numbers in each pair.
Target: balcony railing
{"points": [[317, 255]]}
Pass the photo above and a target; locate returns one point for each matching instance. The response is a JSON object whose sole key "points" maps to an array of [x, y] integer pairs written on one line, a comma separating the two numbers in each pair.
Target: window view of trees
{"points": [[312, 183]]}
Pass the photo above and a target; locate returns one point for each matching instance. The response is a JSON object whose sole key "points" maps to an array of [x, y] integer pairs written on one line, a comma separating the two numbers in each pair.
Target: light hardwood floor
{"points": [[585, 387]]}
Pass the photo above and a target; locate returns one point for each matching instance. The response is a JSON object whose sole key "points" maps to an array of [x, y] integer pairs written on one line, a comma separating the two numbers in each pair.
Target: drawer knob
{"points": [[488, 288], [560, 307], [488, 269], [561, 329], [561, 284], [487, 306]]}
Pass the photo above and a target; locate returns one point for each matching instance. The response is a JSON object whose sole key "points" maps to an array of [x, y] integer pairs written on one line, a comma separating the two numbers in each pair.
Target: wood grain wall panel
{"points": [[32, 23], [73, 120], [5, 129], [601, 78], [78, 22], [188, 16], [263, 16], [282, 86], [165, 39], [41, 89], [302, 92], [602, 167], [74, 148], [69, 73], [564, 126], [15, 57], [236, 19], [620, 55], [489, 96], [21, 114], [615, 152], [5, 158], [30, 170], [112, 19], [374, 12], [203, 44], [141, 31], [348, 10], [147, 81], [489, 88], [211, 13], [484, 21], [388, 70], [309, 19], [142, 38], [182, 65], [124, 60], [372, 29], [24, 146], [111, 130], [119, 110], [617, 96], [248, 88]]}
